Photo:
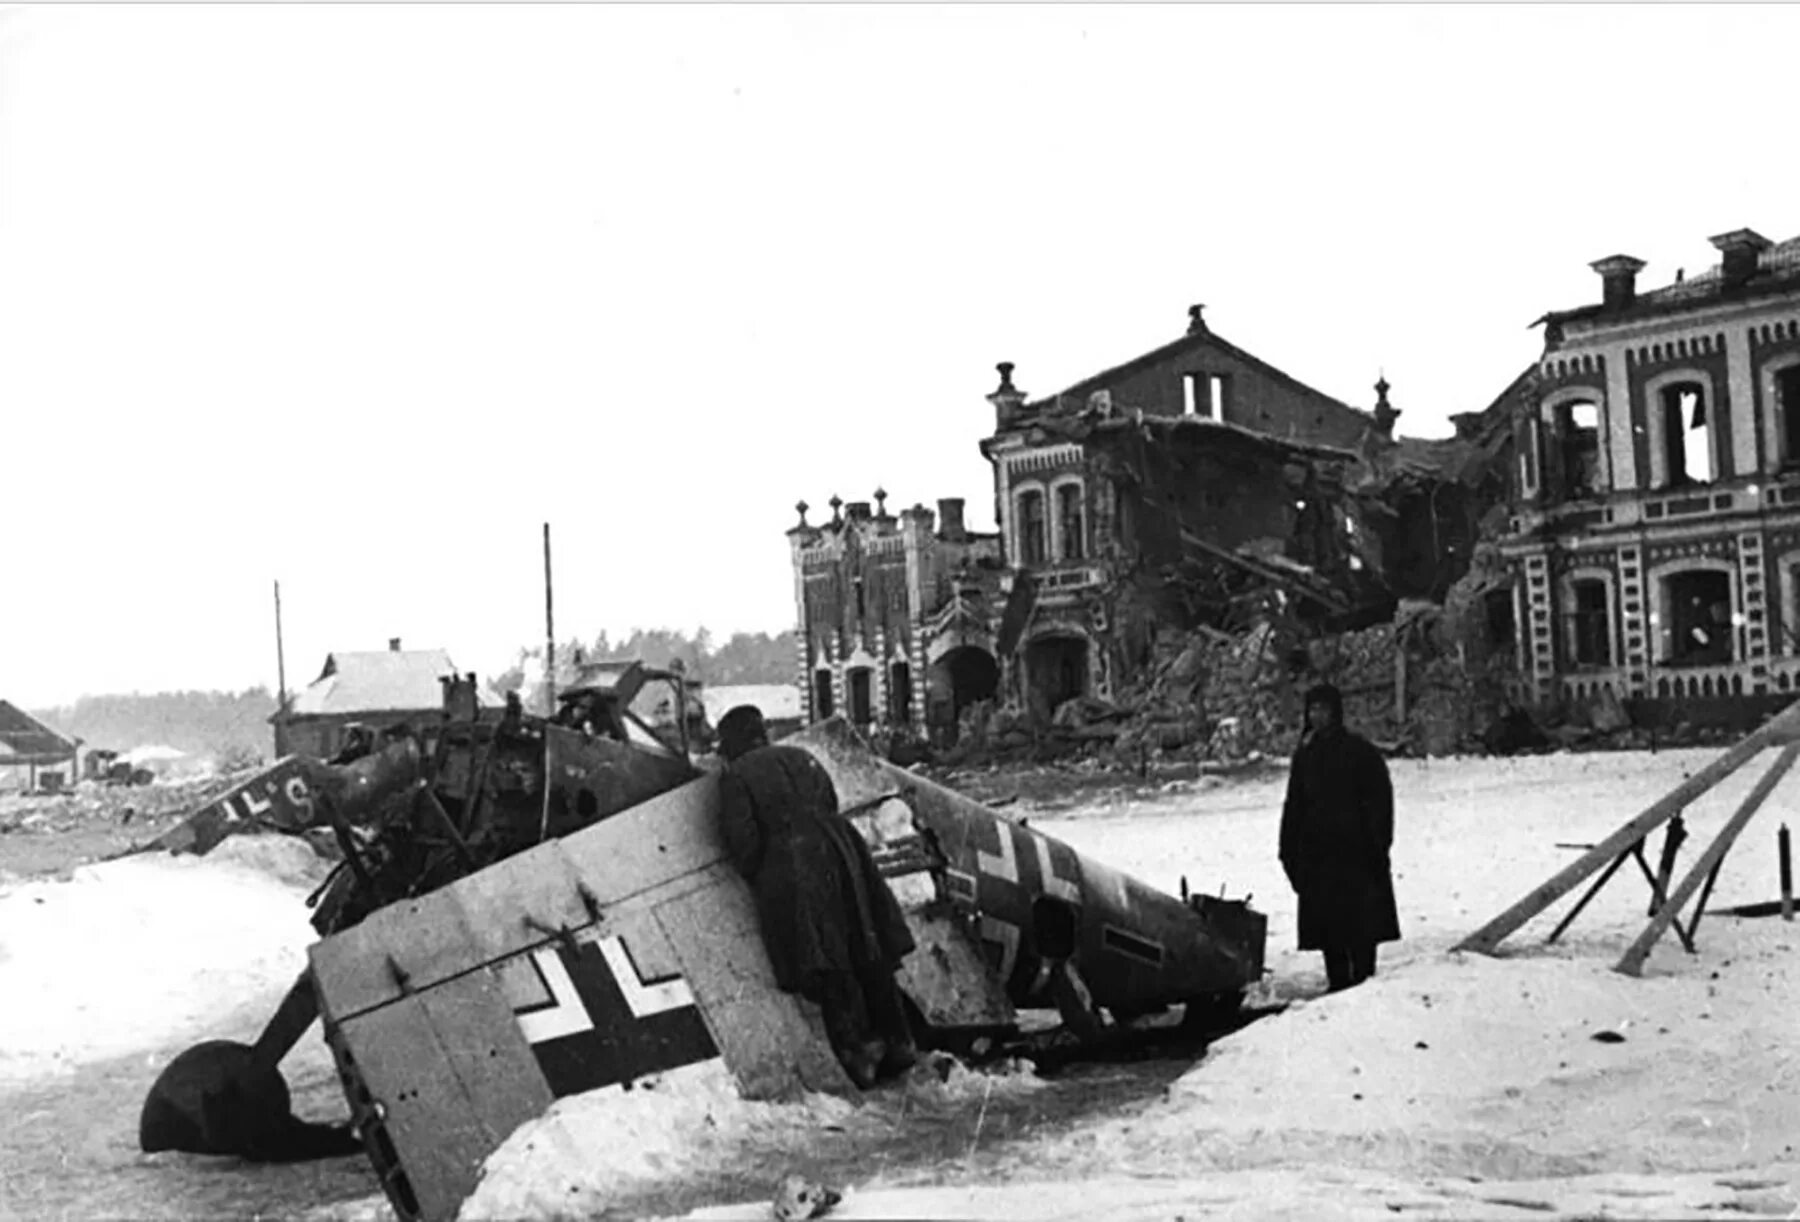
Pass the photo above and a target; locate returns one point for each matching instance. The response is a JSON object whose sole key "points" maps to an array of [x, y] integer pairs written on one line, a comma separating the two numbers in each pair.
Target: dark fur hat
{"points": [[1327, 695], [740, 730]]}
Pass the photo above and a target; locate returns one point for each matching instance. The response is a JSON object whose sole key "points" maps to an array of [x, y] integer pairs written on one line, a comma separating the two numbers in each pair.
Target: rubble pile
{"points": [[127, 805], [1226, 698], [1214, 697]]}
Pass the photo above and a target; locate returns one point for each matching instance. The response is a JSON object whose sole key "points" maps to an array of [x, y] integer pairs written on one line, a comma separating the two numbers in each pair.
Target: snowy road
{"points": [[1450, 1086]]}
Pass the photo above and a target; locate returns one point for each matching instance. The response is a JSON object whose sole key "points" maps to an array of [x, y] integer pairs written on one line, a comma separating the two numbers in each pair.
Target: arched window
{"points": [[1589, 634], [1694, 613], [1781, 392], [900, 693], [1686, 427], [1578, 440], [1071, 521], [1033, 547], [859, 682]]}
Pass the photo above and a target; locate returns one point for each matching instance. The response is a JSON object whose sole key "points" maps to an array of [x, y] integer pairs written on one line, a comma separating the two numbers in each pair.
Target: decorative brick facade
{"points": [[1657, 504]]}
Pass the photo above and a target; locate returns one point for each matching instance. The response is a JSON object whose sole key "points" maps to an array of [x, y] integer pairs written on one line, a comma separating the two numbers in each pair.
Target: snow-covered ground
{"points": [[1449, 1086], [142, 953]]}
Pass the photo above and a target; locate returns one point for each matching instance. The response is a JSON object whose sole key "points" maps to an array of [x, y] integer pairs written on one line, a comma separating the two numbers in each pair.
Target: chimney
{"points": [[920, 515], [857, 511], [1618, 275], [950, 514], [1196, 320], [1007, 399], [1741, 248], [393, 644]]}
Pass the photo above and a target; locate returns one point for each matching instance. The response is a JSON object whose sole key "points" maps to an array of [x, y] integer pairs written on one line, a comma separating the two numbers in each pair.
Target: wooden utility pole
{"points": [[280, 680], [280, 655], [549, 631]]}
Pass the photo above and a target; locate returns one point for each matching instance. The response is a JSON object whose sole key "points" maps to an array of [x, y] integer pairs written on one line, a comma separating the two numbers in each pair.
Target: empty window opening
{"points": [[900, 693], [1056, 670], [1202, 395], [822, 702], [1687, 434], [1787, 400], [1790, 622], [862, 704], [1069, 519], [960, 679], [862, 602], [1578, 426], [1698, 625], [1502, 625], [1590, 624], [1031, 528]]}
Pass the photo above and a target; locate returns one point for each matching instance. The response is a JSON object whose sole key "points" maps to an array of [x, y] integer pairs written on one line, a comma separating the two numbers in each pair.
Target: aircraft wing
{"points": [[621, 951]]}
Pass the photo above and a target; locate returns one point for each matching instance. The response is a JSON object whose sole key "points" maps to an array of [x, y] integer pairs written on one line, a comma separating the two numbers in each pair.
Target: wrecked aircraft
{"points": [[530, 910]]}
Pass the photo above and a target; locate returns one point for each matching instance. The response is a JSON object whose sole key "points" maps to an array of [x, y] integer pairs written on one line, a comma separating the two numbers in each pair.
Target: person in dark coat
{"points": [[1337, 827], [834, 932]]}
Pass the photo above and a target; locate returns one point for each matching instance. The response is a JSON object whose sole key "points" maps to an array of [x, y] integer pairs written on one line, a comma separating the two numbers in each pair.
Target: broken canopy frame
{"points": [[1783, 730]]}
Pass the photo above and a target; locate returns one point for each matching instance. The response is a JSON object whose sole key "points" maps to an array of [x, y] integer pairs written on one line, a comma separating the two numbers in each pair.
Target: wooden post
{"points": [[1782, 847], [1632, 962], [1592, 891], [1687, 935], [1780, 729], [1665, 869]]}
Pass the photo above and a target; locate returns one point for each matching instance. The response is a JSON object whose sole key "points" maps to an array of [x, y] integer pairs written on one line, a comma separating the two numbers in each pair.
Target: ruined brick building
{"points": [[1656, 541], [1158, 492], [895, 612]]}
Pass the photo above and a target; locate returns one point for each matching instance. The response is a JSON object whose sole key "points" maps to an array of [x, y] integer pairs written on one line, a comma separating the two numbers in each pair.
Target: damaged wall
{"points": [[1280, 514], [1185, 376]]}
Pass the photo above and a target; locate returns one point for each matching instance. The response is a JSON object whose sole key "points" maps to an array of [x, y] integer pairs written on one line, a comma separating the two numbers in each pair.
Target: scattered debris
{"points": [[800, 1198]]}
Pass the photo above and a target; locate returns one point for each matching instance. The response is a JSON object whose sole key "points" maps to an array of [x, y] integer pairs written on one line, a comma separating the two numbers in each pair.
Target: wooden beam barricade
{"points": [[1706, 868], [1782, 728], [1659, 886]]}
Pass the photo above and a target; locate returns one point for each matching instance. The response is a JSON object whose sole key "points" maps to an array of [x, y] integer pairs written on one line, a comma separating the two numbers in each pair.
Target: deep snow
{"points": [[1451, 1085]]}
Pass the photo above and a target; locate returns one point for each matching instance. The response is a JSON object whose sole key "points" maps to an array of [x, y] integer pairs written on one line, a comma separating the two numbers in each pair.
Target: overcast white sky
{"points": [[359, 297]]}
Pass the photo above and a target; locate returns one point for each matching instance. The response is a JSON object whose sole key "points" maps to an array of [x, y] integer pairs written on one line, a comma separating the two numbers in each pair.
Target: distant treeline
{"points": [[199, 723], [747, 657], [220, 723]]}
